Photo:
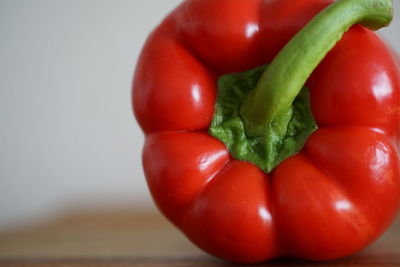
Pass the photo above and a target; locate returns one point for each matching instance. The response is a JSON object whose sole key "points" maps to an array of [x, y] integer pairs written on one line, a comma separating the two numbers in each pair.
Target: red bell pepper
{"points": [[297, 158]]}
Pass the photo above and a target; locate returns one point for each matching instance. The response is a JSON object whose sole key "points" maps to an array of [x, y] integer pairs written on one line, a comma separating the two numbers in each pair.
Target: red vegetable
{"points": [[329, 200]]}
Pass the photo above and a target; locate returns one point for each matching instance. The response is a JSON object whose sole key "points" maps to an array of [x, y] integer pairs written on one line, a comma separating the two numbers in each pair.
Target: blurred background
{"points": [[68, 139]]}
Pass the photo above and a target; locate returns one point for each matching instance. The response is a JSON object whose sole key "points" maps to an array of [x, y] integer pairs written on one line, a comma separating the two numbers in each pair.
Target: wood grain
{"points": [[143, 239]]}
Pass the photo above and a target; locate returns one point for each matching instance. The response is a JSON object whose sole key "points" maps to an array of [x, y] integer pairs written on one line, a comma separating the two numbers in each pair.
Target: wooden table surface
{"points": [[143, 239]]}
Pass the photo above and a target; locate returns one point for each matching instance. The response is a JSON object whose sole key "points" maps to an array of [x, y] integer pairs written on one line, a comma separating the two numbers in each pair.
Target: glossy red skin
{"points": [[330, 200]]}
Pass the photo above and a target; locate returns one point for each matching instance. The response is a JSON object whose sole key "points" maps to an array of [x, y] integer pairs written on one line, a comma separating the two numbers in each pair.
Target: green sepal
{"points": [[284, 137]]}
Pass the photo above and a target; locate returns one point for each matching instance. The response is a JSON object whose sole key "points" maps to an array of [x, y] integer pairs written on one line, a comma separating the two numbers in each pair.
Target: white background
{"points": [[68, 138]]}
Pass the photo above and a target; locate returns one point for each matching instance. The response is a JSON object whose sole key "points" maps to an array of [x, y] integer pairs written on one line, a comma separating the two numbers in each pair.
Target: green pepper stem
{"points": [[285, 76]]}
